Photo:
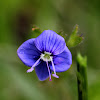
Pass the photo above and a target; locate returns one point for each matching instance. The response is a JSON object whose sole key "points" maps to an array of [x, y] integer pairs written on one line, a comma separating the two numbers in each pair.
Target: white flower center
{"points": [[46, 56]]}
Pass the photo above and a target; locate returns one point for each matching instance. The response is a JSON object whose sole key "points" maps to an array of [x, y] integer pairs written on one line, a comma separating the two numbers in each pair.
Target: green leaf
{"points": [[61, 33], [74, 39], [36, 30], [82, 60]]}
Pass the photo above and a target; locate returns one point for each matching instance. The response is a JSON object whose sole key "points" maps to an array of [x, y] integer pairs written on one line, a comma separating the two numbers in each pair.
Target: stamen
{"points": [[54, 75], [32, 68], [48, 71]]}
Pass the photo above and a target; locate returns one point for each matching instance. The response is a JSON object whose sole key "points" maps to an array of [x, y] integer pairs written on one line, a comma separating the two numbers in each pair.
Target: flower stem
{"points": [[82, 77]]}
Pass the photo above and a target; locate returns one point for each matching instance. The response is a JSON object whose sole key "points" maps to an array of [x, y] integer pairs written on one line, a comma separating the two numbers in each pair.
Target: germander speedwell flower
{"points": [[46, 54]]}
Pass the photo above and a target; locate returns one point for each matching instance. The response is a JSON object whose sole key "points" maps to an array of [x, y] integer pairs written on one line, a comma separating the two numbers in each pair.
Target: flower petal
{"points": [[50, 41], [42, 71], [28, 53], [62, 61]]}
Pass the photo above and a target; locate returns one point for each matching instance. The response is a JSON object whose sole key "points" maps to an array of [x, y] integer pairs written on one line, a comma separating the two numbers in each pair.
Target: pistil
{"points": [[49, 71]]}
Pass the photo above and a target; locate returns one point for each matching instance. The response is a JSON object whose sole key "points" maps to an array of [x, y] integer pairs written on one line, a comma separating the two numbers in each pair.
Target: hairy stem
{"points": [[82, 77]]}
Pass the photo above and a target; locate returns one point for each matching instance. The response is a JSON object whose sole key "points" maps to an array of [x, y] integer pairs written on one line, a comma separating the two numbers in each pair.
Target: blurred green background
{"points": [[16, 20]]}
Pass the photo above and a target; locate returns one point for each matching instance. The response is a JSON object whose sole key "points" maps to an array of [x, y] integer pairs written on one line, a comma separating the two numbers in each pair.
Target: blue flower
{"points": [[46, 54]]}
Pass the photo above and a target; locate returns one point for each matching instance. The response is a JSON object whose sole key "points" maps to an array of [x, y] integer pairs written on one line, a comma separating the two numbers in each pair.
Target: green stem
{"points": [[82, 77]]}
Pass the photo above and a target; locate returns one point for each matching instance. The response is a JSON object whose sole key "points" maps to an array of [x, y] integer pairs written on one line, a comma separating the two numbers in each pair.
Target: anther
{"points": [[49, 71]]}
